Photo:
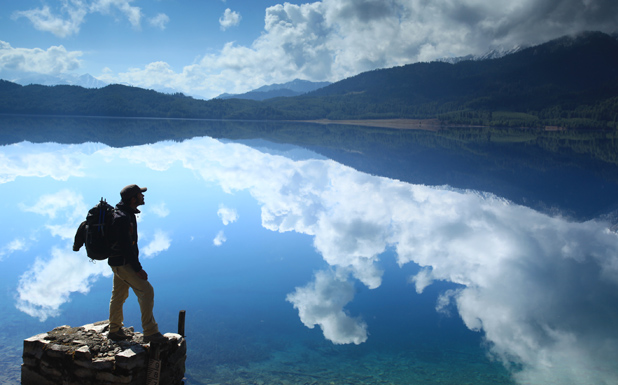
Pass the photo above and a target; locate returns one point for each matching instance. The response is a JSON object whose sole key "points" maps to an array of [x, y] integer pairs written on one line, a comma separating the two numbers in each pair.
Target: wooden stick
{"points": [[181, 323]]}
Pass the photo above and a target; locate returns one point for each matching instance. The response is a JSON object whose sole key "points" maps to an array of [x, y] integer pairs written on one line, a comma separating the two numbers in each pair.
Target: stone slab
{"points": [[84, 356]]}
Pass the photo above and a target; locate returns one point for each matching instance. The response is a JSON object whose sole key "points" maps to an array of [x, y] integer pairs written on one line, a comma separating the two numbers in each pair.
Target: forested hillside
{"points": [[112, 100], [565, 82], [568, 82]]}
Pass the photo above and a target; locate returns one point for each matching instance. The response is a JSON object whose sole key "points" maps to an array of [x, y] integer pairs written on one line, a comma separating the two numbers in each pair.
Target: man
{"points": [[128, 272]]}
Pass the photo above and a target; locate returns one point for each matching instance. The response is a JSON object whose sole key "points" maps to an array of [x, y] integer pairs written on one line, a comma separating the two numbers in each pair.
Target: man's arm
{"points": [[80, 237]]}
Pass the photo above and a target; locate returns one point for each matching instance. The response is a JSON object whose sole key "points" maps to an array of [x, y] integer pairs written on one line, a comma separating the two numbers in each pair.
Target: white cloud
{"points": [[67, 205], [422, 279], [229, 19], [11, 247], [16, 245], [50, 159], [153, 75], [160, 242], [67, 20], [133, 14], [321, 303], [44, 20], [64, 231], [444, 301], [295, 196], [334, 39], [227, 214], [49, 283], [54, 60], [160, 21], [62, 201], [160, 210], [219, 239]]}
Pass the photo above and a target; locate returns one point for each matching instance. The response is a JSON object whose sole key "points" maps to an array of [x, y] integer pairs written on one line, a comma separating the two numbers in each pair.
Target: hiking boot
{"points": [[118, 335], [156, 338]]}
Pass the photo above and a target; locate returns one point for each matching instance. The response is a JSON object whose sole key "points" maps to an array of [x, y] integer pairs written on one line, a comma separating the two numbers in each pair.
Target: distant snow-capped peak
{"points": [[495, 53]]}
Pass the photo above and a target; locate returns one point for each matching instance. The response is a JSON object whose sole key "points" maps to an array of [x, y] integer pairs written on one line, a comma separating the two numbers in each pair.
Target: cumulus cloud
{"points": [[54, 60], [334, 39], [227, 214], [153, 75], [528, 289], [321, 303], [229, 19], [159, 243], [219, 239], [49, 283]]}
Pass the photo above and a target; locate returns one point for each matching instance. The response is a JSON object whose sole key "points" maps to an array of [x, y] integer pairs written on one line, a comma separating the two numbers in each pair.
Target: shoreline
{"points": [[401, 124], [408, 124]]}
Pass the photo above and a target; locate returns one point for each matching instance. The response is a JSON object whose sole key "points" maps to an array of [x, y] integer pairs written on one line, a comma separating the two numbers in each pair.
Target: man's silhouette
{"points": [[128, 272]]}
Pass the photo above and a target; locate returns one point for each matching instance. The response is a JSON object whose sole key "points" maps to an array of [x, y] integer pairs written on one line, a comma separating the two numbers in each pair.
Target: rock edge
{"points": [[84, 356]]}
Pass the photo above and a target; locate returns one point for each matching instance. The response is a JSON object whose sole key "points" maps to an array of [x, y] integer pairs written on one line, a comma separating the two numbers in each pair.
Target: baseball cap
{"points": [[130, 191]]}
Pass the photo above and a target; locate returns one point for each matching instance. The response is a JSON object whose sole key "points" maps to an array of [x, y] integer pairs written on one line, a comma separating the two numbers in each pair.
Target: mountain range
{"points": [[567, 82], [294, 88], [85, 80]]}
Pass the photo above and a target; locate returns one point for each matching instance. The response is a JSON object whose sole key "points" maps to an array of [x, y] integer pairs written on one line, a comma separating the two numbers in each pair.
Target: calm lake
{"points": [[310, 254]]}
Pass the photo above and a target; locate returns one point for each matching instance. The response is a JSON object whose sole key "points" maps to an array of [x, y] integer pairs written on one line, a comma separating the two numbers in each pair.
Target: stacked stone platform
{"points": [[84, 356]]}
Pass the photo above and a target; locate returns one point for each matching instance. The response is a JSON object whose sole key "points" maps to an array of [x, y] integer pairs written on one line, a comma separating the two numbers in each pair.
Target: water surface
{"points": [[306, 258]]}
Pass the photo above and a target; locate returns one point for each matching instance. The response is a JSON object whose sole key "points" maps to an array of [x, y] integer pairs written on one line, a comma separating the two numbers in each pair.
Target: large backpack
{"points": [[96, 232]]}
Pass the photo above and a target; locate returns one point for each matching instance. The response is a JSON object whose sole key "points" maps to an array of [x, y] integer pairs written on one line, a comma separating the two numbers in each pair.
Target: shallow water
{"points": [[297, 269]]}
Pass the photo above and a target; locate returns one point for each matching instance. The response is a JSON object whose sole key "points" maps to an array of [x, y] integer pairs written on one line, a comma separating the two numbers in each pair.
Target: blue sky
{"points": [[208, 47]]}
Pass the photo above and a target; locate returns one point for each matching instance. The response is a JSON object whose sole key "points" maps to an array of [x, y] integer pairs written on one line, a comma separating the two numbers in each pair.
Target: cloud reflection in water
{"points": [[49, 283], [542, 289]]}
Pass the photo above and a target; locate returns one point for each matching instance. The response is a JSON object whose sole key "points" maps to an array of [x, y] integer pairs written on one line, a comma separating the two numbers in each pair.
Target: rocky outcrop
{"points": [[84, 356]]}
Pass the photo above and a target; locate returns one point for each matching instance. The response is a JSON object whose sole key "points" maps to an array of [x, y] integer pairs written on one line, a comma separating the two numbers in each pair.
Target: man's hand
{"points": [[142, 274]]}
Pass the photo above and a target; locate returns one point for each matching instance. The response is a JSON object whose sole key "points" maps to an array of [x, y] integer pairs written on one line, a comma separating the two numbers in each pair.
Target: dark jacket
{"points": [[124, 247], [80, 237]]}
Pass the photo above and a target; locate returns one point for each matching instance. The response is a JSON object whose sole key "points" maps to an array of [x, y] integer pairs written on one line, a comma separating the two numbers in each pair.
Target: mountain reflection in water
{"points": [[256, 239]]}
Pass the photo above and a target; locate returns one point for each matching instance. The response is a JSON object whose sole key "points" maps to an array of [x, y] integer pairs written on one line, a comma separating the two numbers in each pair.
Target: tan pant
{"points": [[125, 278]]}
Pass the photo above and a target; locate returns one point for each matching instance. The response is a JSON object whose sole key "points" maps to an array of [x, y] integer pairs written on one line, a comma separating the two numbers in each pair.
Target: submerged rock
{"points": [[85, 356]]}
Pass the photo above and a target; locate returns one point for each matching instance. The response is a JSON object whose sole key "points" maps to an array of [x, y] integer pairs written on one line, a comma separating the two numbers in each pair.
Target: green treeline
{"points": [[123, 101], [113, 100], [570, 82]]}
